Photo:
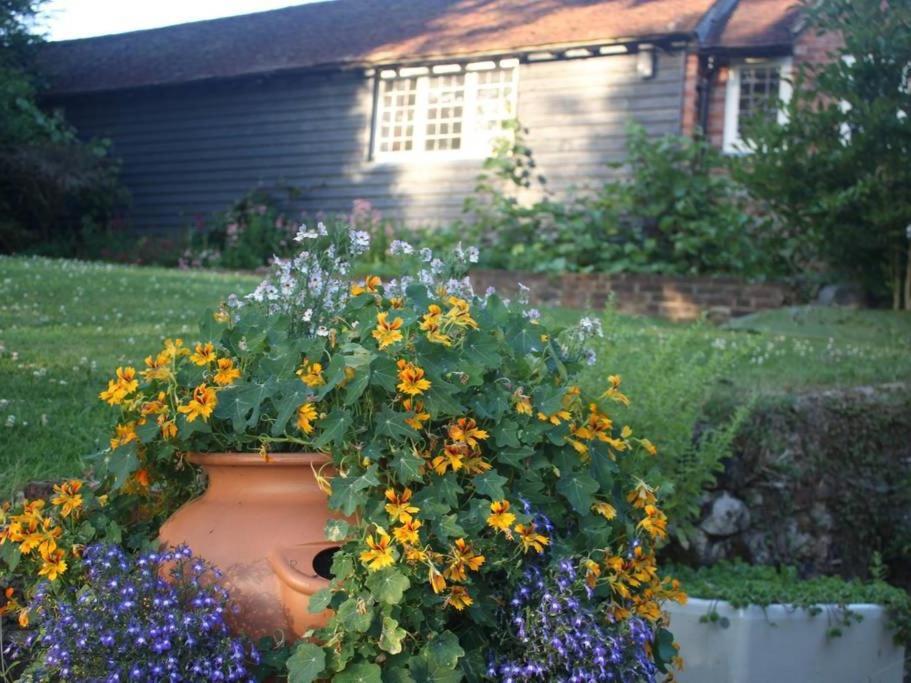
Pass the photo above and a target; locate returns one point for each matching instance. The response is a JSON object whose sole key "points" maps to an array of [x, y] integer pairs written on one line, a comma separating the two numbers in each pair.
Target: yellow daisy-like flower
{"points": [[501, 518], [613, 391], [592, 572], [387, 332], [418, 415], [648, 446], [306, 416], [556, 418], [311, 374], [411, 379], [606, 510], [53, 564], [204, 354], [436, 579], [379, 552], [222, 315], [531, 539], [201, 405], [399, 507], [168, 427], [123, 434], [227, 373], [453, 457], [431, 323], [460, 313], [175, 348], [654, 523], [407, 533], [122, 386], [370, 283], [523, 403], [462, 558], [68, 498], [641, 495], [158, 368], [459, 598]]}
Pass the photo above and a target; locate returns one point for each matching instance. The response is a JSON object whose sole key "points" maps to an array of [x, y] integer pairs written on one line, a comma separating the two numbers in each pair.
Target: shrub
{"points": [[127, 622], [442, 411]]}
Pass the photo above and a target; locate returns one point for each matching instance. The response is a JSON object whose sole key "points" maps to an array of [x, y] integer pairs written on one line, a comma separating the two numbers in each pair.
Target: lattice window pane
{"points": [[493, 105], [445, 112], [759, 92], [398, 106]]}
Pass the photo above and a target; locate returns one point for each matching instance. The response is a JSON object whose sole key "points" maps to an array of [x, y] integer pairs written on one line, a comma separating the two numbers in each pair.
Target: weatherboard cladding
{"points": [[191, 150]]}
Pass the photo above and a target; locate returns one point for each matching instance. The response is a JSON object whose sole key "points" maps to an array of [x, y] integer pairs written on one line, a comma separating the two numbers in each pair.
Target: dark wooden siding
{"points": [[190, 151]]}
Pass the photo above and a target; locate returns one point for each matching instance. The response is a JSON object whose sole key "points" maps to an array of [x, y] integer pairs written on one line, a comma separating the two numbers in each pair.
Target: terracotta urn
{"points": [[262, 524]]}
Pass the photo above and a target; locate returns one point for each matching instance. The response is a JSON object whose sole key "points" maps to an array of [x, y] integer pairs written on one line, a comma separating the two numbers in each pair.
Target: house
{"points": [[397, 101]]}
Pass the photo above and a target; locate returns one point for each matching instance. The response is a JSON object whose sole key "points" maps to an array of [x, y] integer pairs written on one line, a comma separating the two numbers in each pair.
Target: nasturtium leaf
{"points": [[548, 399], [385, 373], [148, 431], [447, 526], [515, 456], [291, 394], [334, 374], [397, 674], [356, 387], [577, 487], [352, 617], [306, 664], [347, 494], [342, 566], [319, 601], [336, 530], [490, 484], [356, 356], [481, 348], [407, 466], [506, 433], [444, 650], [388, 585], [362, 672], [446, 489], [121, 463], [10, 554], [523, 339], [391, 636], [198, 426], [426, 671], [333, 427], [392, 424]]}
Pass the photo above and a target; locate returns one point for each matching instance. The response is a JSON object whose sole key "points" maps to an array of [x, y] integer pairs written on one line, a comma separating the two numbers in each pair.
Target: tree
{"points": [[837, 172], [53, 187]]}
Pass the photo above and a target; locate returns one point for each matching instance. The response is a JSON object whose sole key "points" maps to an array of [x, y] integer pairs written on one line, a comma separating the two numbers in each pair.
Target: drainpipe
{"points": [[704, 92]]}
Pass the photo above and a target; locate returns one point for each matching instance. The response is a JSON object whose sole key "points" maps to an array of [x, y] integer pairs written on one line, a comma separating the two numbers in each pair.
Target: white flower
{"points": [[533, 314], [426, 255], [400, 247], [304, 234], [591, 327], [307, 315], [321, 228], [473, 254], [322, 331], [10, 420], [3, 403], [360, 241]]}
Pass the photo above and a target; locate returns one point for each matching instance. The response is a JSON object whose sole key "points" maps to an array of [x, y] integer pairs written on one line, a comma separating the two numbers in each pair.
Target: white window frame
{"points": [[732, 144], [471, 145]]}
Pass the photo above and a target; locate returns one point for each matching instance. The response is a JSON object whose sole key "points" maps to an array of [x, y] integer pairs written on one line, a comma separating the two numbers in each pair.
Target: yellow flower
{"points": [[371, 282], [453, 457], [592, 572], [461, 558], [477, 465], [431, 323], [306, 416], [387, 333], [124, 434], [460, 313], [205, 354], [379, 554], [175, 348], [157, 407], [459, 598], [221, 315], [168, 427], [227, 373], [413, 554], [465, 430], [68, 498], [399, 507], [648, 446], [311, 374], [626, 432], [23, 617], [555, 418], [523, 403], [418, 415], [158, 367], [531, 539], [501, 518], [407, 534], [613, 392], [53, 564], [121, 387], [202, 404], [654, 523], [411, 379], [606, 510], [641, 495], [437, 582]]}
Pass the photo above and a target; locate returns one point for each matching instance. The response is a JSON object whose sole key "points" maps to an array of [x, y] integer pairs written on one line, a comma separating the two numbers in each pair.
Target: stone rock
{"points": [[718, 315], [727, 516], [844, 294]]}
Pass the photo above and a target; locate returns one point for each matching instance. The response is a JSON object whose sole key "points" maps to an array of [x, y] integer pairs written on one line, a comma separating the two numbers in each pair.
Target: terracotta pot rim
{"points": [[229, 459]]}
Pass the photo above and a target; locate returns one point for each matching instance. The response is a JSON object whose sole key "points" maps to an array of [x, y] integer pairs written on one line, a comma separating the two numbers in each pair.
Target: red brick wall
{"points": [[671, 297]]}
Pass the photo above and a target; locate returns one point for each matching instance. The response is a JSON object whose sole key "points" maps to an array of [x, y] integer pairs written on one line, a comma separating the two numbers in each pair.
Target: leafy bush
{"points": [[676, 212], [127, 622], [443, 412]]}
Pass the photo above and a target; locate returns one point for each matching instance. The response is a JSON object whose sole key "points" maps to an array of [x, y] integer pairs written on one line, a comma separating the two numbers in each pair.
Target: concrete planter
{"points": [[780, 644]]}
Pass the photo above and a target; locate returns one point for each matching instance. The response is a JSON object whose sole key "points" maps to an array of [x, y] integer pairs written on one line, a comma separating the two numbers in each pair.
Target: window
{"points": [[450, 112], [754, 88]]}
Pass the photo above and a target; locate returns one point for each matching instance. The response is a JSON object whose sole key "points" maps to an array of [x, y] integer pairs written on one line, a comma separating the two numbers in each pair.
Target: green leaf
{"points": [[578, 488], [292, 394], [121, 463], [522, 338], [347, 494], [388, 585], [482, 348], [242, 403], [385, 373], [10, 554], [490, 484], [306, 664], [363, 672], [355, 388], [319, 601], [353, 618], [392, 424], [391, 636], [336, 530], [333, 427], [148, 431], [506, 434], [407, 466], [448, 526]]}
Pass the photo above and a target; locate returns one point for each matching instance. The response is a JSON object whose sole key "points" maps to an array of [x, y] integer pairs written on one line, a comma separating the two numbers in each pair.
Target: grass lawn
{"points": [[64, 327]]}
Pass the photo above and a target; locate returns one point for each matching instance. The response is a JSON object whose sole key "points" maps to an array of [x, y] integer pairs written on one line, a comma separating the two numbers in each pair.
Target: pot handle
{"points": [[292, 576]]}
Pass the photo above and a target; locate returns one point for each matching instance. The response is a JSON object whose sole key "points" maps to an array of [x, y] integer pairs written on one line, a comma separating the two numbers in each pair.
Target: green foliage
{"points": [[743, 585], [54, 189], [673, 212], [837, 171]]}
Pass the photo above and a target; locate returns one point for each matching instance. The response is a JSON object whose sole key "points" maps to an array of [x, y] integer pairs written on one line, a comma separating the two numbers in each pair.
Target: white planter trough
{"points": [[781, 644]]}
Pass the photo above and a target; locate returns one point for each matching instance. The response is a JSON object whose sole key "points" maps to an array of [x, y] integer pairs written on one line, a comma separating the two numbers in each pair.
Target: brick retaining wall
{"points": [[667, 296]]}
